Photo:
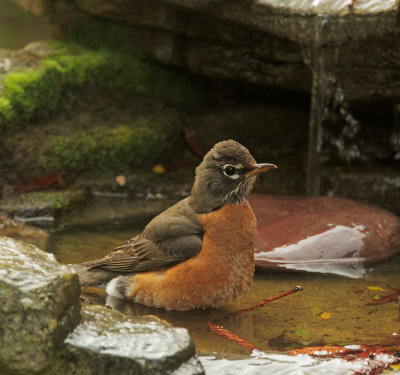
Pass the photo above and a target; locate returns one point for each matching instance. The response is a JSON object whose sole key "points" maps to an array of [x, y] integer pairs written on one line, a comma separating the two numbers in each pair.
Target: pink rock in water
{"points": [[322, 234]]}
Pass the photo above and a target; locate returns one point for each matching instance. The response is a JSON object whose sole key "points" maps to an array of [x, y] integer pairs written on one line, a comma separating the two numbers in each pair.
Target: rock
{"points": [[39, 8], [107, 339], [379, 186], [39, 306], [329, 235], [31, 234], [40, 330], [255, 41], [40, 208], [296, 19]]}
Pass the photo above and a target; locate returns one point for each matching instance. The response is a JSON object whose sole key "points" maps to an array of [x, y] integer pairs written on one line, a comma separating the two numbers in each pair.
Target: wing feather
{"points": [[166, 240]]}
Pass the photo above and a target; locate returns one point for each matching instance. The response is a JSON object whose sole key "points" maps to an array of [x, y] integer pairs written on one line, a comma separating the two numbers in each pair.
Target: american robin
{"points": [[197, 253]]}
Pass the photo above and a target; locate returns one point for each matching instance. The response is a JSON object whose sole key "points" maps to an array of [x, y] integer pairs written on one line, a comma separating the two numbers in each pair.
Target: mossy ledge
{"points": [[53, 203], [66, 69], [103, 149]]}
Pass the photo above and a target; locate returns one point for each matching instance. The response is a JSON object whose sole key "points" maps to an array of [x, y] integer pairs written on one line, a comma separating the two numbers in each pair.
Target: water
{"points": [[322, 61], [293, 321], [328, 108]]}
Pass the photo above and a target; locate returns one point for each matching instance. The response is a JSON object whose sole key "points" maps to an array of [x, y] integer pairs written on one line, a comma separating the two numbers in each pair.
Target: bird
{"points": [[199, 252]]}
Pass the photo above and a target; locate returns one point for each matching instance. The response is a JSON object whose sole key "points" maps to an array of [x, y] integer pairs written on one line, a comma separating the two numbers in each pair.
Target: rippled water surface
{"points": [[293, 321]]}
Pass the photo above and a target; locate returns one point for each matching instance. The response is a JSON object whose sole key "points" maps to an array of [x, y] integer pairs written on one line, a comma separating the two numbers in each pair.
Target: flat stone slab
{"points": [[107, 339], [39, 306], [342, 7], [299, 20], [40, 208], [322, 234]]}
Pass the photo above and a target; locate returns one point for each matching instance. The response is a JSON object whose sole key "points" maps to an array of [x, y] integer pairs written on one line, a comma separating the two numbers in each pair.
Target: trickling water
{"points": [[322, 61], [328, 106]]}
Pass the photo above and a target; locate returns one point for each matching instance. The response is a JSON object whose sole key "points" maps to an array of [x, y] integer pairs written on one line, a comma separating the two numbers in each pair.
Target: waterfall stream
{"points": [[328, 107], [322, 61]]}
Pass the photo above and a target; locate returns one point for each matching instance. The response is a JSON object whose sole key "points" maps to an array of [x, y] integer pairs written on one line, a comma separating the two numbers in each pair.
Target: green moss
{"points": [[7, 113], [102, 149], [50, 202], [56, 200], [68, 69], [98, 33], [34, 92]]}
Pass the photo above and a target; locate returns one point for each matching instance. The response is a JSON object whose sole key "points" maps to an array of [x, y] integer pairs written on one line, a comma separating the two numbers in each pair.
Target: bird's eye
{"points": [[230, 171]]}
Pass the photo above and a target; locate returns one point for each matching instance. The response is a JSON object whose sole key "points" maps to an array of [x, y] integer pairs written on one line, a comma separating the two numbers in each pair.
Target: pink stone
{"points": [[322, 234]]}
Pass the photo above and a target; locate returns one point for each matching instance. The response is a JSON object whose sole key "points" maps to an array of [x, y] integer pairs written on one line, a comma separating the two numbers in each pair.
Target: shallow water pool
{"points": [[331, 310]]}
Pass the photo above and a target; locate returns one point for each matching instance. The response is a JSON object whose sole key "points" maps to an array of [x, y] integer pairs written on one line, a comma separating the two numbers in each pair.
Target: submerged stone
{"points": [[39, 306], [322, 234], [107, 339]]}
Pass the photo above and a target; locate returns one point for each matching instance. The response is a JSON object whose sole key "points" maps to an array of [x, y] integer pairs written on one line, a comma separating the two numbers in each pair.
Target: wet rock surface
{"points": [[332, 235], [39, 306], [43, 330], [107, 339]]}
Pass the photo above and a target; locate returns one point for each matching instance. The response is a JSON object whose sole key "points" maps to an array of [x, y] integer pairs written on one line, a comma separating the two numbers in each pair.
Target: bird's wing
{"points": [[167, 240]]}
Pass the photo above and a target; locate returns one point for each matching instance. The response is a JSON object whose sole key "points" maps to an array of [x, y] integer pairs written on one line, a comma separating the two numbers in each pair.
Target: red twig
{"points": [[353, 352], [224, 333], [392, 297], [227, 335], [262, 303]]}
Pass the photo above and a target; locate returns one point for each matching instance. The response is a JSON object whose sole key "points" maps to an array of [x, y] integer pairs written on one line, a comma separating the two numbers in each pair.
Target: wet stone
{"points": [[40, 208], [31, 234], [322, 234], [107, 339], [39, 306]]}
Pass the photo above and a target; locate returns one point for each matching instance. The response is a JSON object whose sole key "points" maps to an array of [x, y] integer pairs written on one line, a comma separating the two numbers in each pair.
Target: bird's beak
{"points": [[260, 168]]}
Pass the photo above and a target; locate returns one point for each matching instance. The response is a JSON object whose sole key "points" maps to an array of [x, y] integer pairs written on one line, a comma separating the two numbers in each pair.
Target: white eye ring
{"points": [[230, 171]]}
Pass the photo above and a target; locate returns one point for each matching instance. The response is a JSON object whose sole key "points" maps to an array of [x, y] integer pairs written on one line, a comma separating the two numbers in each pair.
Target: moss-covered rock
{"points": [[7, 113], [102, 149], [66, 69], [34, 92], [41, 208]]}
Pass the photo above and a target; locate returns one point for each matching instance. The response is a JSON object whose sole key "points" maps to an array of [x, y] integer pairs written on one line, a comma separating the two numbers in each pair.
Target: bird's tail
{"points": [[94, 276]]}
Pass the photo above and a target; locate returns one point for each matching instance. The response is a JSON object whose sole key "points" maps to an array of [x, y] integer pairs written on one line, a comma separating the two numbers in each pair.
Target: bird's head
{"points": [[226, 174]]}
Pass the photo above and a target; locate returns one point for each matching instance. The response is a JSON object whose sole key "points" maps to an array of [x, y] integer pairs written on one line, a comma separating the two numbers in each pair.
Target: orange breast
{"points": [[222, 270]]}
